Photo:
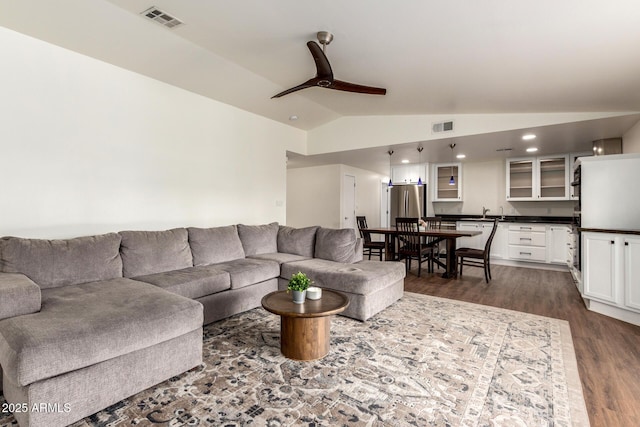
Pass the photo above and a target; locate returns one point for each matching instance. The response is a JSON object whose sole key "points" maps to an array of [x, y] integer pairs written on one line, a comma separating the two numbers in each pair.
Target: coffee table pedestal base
{"points": [[304, 338]]}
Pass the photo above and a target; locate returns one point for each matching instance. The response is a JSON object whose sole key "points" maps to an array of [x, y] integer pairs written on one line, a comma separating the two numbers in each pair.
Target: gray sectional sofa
{"points": [[86, 322]]}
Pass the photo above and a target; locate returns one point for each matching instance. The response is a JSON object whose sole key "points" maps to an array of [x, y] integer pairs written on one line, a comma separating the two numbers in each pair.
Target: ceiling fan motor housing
{"points": [[324, 37]]}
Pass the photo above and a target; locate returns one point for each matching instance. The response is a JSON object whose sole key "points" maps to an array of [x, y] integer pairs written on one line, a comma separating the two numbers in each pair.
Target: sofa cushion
{"points": [[249, 271], [363, 278], [297, 241], [85, 324], [192, 282], [340, 245], [213, 245], [54, 263], [149, 252], [19, 295], [259, 239], [280, 257]]}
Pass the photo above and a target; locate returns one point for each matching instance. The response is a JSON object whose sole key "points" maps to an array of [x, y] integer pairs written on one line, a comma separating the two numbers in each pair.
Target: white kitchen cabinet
{"points": [[553, 178], [473, 242], [521, 182], [499, 244], [599, 266], [443, 189], [479, 241], [409, 174], [611, 274], [558, 242], [632, 271], [527, 242], [530, 242], [538, 178]]}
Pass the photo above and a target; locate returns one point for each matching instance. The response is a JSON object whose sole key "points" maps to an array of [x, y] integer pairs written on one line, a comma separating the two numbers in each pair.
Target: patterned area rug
{"points": [[424, 361]]}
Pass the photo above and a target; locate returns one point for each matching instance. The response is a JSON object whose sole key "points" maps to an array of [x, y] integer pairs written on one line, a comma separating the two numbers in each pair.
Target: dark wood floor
{"points": [[607, 350]]}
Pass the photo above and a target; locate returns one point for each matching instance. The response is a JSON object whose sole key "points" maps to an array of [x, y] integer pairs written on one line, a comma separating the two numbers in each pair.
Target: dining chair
{"points": [[369, 246], [433, 223], [410, 244], [478, 257]]}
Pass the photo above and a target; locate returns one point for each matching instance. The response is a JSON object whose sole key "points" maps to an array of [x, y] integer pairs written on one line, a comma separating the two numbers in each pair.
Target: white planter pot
{"points": [[299, 296]]}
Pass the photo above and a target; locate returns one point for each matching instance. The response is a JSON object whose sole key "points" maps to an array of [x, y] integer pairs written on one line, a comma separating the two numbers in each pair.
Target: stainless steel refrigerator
{"points": [[407, 201]]}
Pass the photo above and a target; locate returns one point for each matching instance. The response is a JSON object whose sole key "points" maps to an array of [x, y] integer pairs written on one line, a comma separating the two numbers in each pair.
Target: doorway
{"points": [[348, 201]]}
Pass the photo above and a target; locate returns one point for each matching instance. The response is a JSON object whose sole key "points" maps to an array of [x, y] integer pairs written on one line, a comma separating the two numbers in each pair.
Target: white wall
{"points": [[484, 185], [367, 193], [314, 195], [89, 148], [631, 140]]}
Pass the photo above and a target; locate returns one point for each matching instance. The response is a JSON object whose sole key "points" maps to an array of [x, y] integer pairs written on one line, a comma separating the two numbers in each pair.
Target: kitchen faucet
{"points": [[484, 212]]}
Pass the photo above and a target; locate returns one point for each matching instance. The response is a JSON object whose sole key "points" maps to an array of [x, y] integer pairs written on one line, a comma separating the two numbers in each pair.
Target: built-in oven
{"points": [[577, 219], [575, 251], [577, 173]]}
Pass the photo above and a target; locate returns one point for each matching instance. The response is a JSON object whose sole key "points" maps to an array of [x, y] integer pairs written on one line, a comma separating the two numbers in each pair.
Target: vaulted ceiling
{"points": [[433, 56]]}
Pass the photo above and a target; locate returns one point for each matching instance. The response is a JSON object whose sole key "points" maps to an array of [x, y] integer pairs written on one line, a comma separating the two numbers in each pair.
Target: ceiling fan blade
{"points": [[323, 68], [307, 84], [352, 87]]}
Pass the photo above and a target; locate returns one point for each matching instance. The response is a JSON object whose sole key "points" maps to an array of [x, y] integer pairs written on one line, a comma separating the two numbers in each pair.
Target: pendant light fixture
{"points": [[452, 180], [420, 165], [390, 154]]}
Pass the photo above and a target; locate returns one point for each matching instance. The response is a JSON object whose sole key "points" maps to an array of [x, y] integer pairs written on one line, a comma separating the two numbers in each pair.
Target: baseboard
{"points": [[615, 312], [535, 265]]}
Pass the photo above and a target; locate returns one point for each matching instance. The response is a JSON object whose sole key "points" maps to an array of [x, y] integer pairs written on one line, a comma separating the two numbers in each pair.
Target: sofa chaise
{"points": [[87, 322]]}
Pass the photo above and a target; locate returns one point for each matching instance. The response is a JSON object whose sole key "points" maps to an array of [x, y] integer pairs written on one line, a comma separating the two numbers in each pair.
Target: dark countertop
{"points": [[511, 218], [609, 230]]}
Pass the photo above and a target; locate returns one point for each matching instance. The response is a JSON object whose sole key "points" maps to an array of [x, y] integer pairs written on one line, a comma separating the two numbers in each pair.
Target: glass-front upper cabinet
{"points": [[447, 182], [521, 178], [538, 178], [554, 178]]}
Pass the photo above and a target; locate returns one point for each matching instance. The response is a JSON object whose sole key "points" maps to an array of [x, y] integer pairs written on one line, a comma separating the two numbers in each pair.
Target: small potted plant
{"points": [[298, 285]]}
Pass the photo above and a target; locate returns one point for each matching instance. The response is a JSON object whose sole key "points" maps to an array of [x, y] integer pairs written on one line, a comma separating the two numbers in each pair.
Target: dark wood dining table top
{"points": [[431, 232]]}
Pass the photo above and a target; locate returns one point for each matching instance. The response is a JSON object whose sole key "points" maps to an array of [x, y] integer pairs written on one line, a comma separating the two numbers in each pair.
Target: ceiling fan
{"points": [[324, 75]]}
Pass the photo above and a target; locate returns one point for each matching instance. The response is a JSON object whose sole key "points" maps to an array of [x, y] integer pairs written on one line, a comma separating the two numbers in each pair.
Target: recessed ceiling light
{"points": [[528, 137], [532, 150], [293, 118], [405, 161], [461, 156]]}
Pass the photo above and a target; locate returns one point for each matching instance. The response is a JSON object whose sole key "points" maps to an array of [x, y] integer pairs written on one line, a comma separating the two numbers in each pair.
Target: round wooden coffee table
{"points": [[304, 328]]}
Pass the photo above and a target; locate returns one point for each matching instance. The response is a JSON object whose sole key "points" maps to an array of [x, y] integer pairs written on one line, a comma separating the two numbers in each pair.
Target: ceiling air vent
{"points": [[161, 17], [442, 127]]}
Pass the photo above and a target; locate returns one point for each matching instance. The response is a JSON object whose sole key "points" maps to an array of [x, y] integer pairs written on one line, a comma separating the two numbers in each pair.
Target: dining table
{"points": [[449, 236]]}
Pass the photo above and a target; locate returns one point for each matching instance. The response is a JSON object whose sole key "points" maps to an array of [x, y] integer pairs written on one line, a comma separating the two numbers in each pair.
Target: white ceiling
{"points": [[566, 138], [433, 56]]}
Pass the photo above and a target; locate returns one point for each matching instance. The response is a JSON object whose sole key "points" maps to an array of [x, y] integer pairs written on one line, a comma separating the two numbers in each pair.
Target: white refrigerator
{"points": [[610, 191]]}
